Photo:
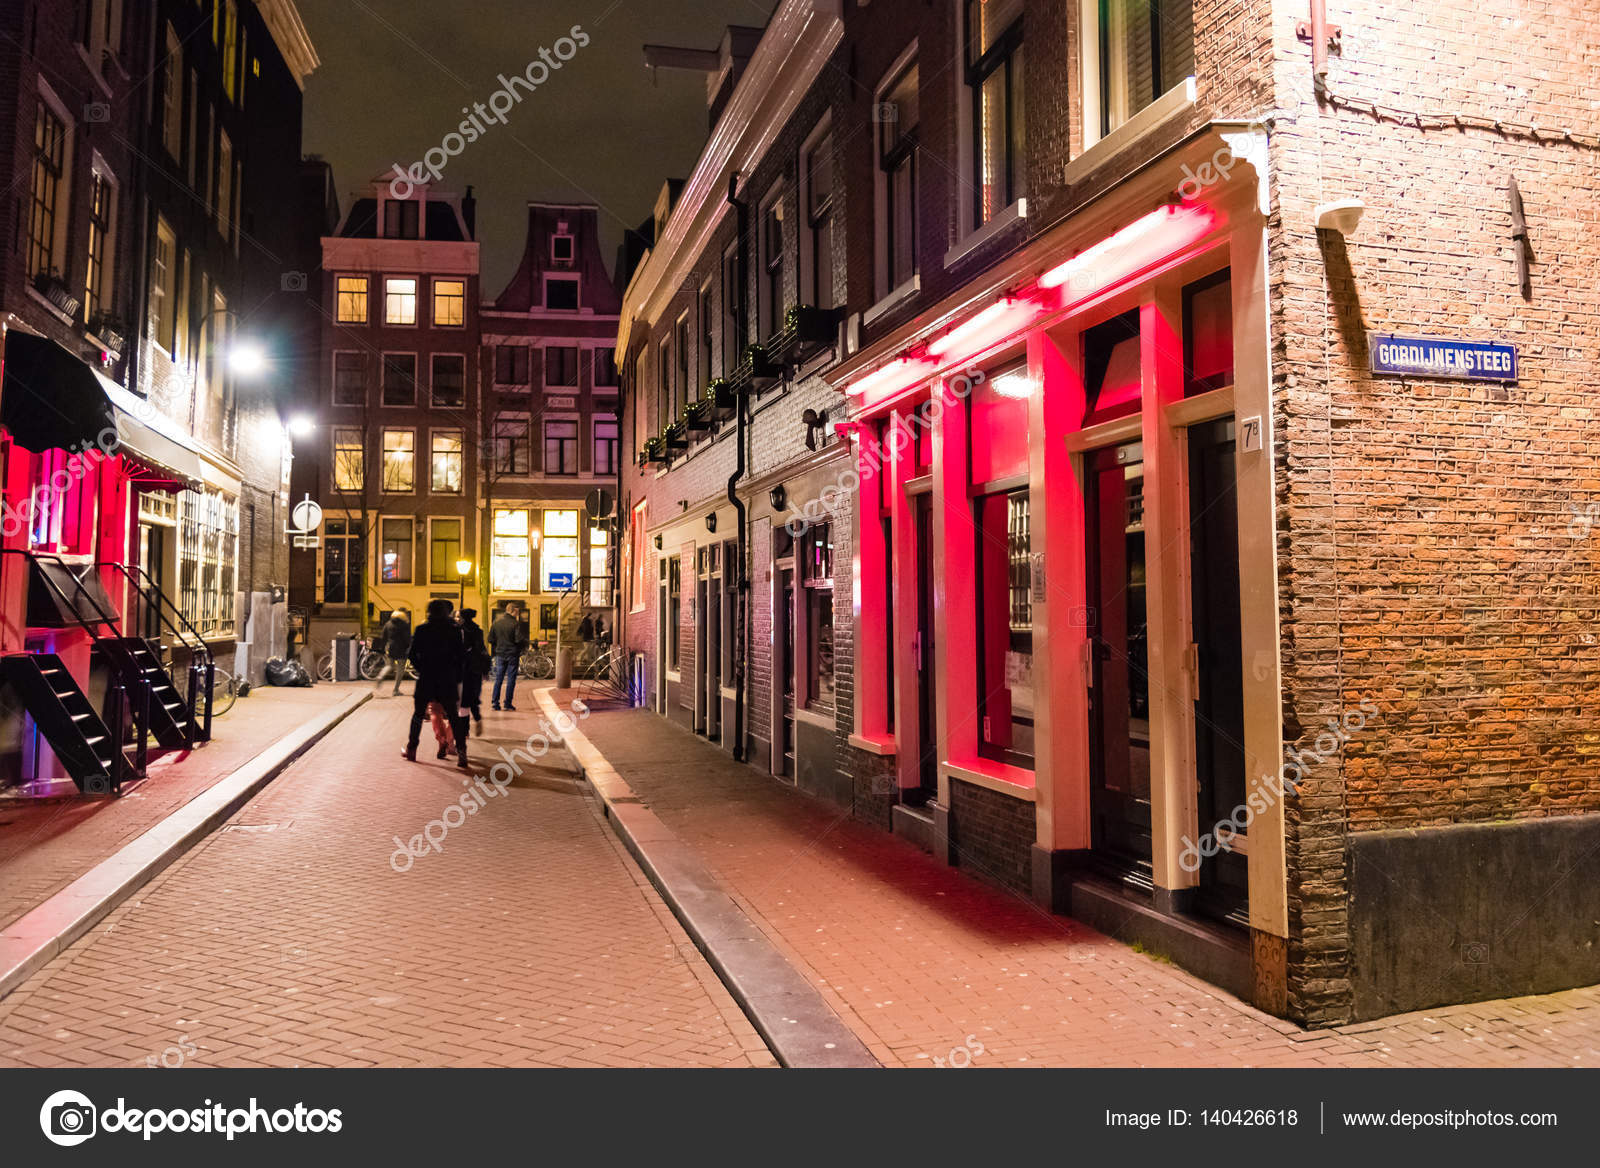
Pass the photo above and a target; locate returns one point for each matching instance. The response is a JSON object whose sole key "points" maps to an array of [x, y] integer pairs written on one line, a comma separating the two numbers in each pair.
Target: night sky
{"points": [[395, 74]]}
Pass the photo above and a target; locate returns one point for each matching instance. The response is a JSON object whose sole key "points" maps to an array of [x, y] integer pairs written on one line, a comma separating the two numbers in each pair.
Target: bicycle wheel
{"points": [[527, 666], [544, 667], [224, 692], [325, 667], [372, 663]]}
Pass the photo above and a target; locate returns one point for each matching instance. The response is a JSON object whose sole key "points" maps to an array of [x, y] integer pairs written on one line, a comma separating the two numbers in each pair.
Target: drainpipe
{"points": [[740, 661]]}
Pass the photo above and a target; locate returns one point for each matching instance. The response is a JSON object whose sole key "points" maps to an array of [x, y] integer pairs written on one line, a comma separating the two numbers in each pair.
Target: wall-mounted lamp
{"points": [[1343, 216], [658, 543], [814, 421], [778, 497], [711, 521]]}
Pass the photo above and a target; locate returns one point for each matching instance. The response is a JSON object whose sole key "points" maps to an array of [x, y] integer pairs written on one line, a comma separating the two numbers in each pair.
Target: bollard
{"points": [[564, 669]]}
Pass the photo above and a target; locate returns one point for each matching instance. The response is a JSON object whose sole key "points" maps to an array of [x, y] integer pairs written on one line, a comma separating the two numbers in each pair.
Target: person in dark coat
{"points": [[440, 657], [477, 666], [507, 641], [394, 640], [586, 635]]}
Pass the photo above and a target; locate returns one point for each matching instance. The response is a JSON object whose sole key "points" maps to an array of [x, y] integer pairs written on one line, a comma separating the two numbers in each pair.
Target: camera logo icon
{"points": [[97, 111], [293, 282], [67, 1118], [885, 111]]}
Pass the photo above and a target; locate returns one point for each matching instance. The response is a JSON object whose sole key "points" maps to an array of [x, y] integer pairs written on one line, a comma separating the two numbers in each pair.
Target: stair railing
{"points": [[582, 587], [202, 665], [120, 696]]}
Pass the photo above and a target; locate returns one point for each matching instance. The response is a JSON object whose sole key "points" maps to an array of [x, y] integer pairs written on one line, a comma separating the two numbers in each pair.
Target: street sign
{"points": [[559, 581], [1463, 360], [307, 516], [599, 503]]}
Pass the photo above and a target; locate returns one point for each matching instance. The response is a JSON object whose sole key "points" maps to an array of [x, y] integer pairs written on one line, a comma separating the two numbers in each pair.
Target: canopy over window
{"points": [[50, 399]]}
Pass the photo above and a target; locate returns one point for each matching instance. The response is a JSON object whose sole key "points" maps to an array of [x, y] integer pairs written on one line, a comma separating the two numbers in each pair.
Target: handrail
{"points": [[573, 587], [188, 635]]}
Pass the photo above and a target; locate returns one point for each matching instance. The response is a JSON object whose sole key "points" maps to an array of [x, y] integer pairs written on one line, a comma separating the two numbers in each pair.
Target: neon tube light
{"points": [[898, 374], [1137, 246], [999, 320]]}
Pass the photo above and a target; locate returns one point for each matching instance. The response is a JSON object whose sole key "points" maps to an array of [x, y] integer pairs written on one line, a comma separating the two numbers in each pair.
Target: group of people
{"points": [[451, 656]]}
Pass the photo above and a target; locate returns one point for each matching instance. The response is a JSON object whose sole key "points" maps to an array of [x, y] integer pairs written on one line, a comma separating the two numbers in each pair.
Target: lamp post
{"points": [[463, 570]]}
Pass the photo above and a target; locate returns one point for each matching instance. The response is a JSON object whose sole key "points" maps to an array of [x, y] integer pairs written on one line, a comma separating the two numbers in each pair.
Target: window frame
{"points": [[888, 161], [341, 459], [433, 381], [460, 298], [364, 365], [512, 352], [512, 444], [611, 444], [442, 570], [549, 355], [389, 294], [386, 359], [385, 483], [1006, 53], [377, 562], [363, 295], [52, 246], [552, 278], [567, 444], [434, 454], [817, 224]]}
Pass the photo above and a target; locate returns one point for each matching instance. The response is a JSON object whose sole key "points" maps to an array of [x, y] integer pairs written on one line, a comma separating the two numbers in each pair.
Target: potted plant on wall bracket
{"points": [[54, 288], [675, 437], [652, 451], [697, 415], [806, 330], [763, 371], [110, 331], [724, 400]]}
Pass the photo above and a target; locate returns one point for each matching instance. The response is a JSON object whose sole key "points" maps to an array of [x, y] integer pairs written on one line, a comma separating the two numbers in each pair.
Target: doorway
{"points": [[1119, 690], [927, 691], [711, 613], [1219, 702], [783, 643]]}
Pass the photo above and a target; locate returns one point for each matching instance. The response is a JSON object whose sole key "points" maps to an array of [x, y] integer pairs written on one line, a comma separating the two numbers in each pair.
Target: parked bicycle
{"points": [[225, 689], [369, 662], [536, 664]]}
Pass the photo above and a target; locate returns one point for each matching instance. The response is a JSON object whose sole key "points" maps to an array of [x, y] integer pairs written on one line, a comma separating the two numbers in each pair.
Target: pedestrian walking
{"points": [[507, 642], [394, 641], [440, 657], [586, 635], [478, 664]]}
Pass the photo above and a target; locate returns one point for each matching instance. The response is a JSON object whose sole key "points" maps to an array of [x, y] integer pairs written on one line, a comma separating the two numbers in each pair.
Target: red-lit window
{"points": [[63, 502], [1005, 627], [1112, 375], [1208, 334]]}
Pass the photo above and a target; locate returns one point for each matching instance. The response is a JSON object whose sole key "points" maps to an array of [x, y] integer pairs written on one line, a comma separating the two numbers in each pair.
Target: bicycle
{"points": [[224, 691], [536, 664]]}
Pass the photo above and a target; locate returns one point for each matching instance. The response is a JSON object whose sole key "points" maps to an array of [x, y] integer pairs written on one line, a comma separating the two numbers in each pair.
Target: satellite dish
{"points": [[599, 503], [307, 515]]}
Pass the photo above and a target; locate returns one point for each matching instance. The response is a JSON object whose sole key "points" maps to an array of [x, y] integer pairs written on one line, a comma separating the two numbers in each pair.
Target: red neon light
{"points": [[1136, 247], [999, 320], [889, 380]]}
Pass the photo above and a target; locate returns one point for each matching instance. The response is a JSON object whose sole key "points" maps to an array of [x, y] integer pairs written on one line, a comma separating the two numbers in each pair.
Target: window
{"points": [[1005, 627], [561, 294], [401, 218], [395, 535], [1112, 376], [674, 607], [400, 300], [898, 132], [349, 459], [511, 365], [680, 336], [1146, 47], [511, 447], [732, 311], [639, 555], [352, 300], [343, 558], [666, 408], [449, 381], [444, 549], [816, 215], [605, 366], [447, 462], [449, 303], [48, 196], [562, 249], [349, 379], [208, 546], [224, 206], [1208, 334], [399, 461], [399, 379], [994, 75], [163, 285], [707, 342], [816, 575], [605, 447], [196, 146], [230, 51], [172, 97], [97, 283], [561, 365], [771, 306], [511, 557], [558, 553], [560, 448]]}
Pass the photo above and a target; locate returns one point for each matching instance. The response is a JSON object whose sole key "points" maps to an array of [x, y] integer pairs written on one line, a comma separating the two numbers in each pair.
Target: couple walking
{"points": [[450, 658]]}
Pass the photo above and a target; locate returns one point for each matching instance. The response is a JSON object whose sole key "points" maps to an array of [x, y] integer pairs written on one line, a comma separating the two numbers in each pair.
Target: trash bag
{"points": [[286, 673]]}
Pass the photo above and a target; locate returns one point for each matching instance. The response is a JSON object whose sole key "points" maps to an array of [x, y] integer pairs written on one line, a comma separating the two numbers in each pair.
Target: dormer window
{"points": [[401, 218], [562, 248], [561, 293]]}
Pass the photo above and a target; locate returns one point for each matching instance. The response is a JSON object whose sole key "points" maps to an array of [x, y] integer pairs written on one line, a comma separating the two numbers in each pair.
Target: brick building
{"points": [[549, 428], [1146, 575], [146, 135], [394, 459]]}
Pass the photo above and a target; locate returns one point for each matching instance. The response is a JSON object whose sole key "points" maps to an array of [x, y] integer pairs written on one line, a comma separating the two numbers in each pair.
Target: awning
{"points": [[157, 461], [50, 399], [55, 601]]}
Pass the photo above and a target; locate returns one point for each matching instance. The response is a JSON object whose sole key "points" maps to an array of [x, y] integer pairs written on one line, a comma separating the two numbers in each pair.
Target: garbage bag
{"points": [[286, 673]]}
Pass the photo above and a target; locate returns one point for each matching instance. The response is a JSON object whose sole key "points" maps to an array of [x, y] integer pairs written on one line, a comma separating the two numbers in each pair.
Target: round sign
{"points": [[599, 503], [307, 515]]}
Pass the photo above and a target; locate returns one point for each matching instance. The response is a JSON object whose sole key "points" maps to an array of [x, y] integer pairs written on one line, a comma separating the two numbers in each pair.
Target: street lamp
{"points": [[463, 570], [301, 425]]}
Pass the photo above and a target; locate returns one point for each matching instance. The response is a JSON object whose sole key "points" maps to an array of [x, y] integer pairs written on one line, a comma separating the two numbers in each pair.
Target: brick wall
{"points": [[991, 835]]}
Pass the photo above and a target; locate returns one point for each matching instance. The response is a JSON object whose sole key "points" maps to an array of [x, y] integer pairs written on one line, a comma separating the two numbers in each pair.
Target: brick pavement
{"points": [[927, 964], [290, 940], [46, 844]]}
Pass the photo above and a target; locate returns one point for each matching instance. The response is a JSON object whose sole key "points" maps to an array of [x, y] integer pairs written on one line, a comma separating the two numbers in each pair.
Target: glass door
{"points": [[1119, 694], [927, 692]]}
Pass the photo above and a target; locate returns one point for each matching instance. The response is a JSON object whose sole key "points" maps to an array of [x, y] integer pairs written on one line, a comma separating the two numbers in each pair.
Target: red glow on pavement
{"points": [[1139, 245]]}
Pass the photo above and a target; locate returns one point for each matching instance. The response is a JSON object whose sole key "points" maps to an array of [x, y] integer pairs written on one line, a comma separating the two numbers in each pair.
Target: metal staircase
{"points": [[82, 741], [178, 720]]}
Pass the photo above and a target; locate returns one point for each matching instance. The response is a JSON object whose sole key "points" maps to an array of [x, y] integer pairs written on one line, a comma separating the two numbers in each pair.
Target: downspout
{"points": [[741, 659]]}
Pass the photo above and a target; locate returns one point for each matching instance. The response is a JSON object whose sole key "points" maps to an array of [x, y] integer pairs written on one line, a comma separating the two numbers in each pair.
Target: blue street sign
{"points": [[1421, 357], [558, 581]]}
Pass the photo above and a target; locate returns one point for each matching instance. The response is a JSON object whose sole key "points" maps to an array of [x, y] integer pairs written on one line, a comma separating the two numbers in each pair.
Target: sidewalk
{"points": [[930, 967], [299, 935], [45, 845]]}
